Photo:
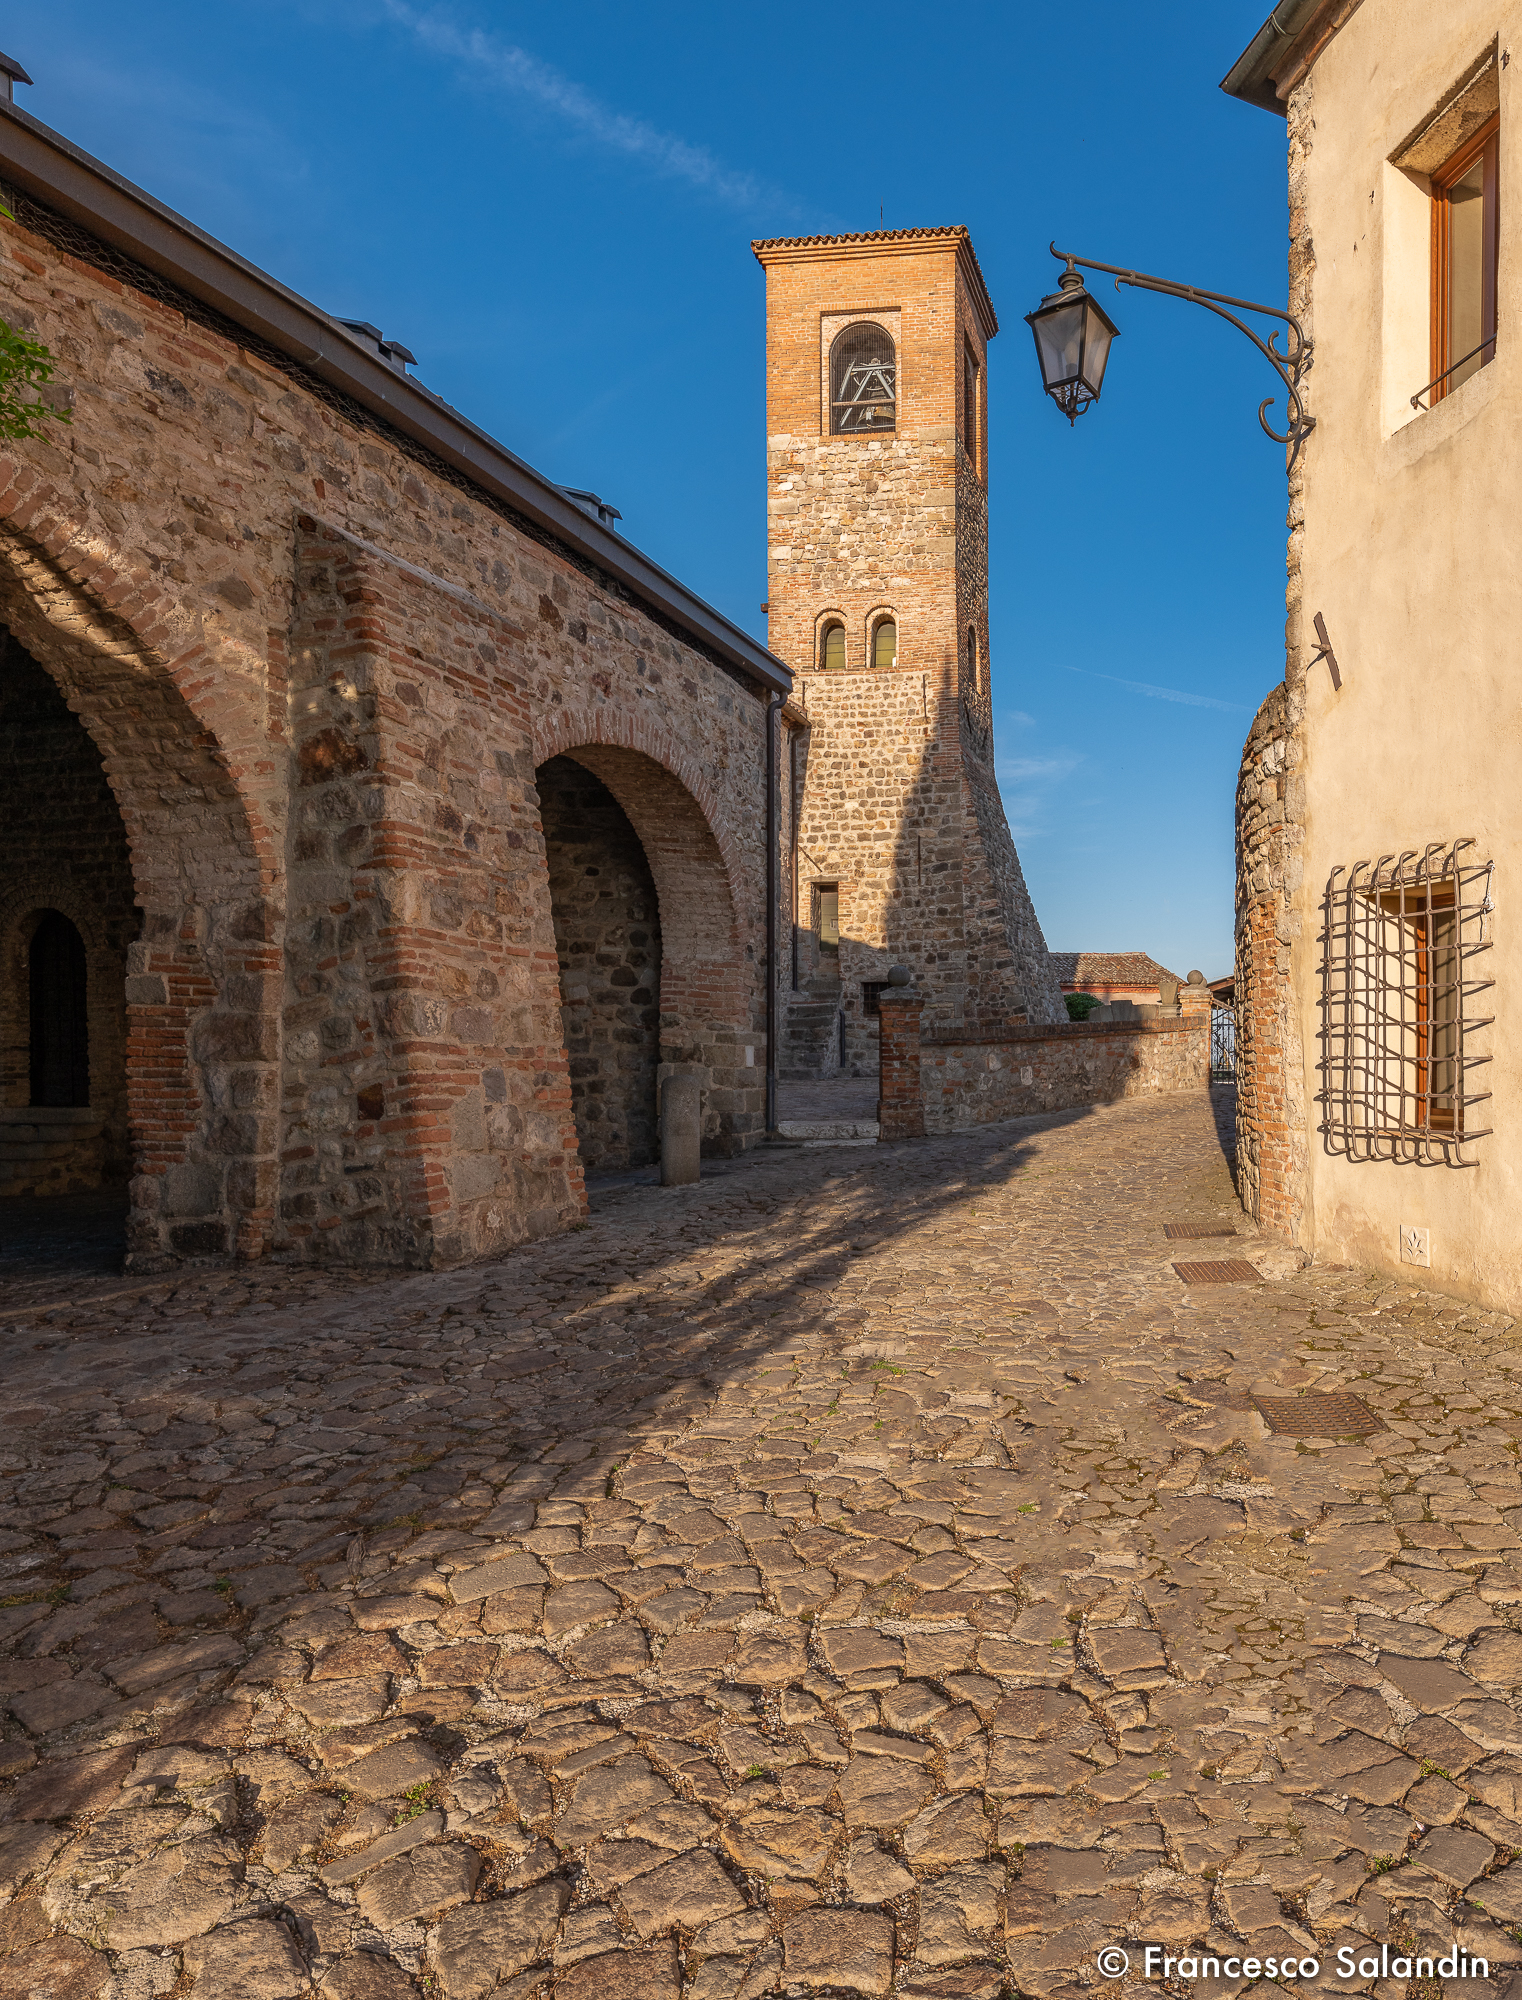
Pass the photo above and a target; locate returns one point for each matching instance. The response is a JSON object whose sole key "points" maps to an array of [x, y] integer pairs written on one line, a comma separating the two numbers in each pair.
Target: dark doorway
{"points": [[60, 1013], [608, 941], [67, 917]]}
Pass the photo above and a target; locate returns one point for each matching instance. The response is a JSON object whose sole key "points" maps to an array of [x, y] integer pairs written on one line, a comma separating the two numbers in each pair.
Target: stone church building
{"points": [[383, 825], [877, 497]]}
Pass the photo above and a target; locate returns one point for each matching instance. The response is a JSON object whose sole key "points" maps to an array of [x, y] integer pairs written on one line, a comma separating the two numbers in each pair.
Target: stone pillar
{"points": [[1195, 1007], [900, 1107], [681, 1126]]}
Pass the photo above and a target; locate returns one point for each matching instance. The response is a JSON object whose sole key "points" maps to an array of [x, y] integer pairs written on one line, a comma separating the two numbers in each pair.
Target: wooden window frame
{"points": [[1482, 144]]}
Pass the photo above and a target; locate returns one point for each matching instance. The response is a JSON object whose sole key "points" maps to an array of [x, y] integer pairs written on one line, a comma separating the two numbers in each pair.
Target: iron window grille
{"points": [[863, 380], [1399, 983]]}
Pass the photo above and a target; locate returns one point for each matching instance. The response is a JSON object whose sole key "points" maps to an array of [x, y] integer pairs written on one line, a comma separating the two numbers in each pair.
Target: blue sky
{"points": [[553, 208]]}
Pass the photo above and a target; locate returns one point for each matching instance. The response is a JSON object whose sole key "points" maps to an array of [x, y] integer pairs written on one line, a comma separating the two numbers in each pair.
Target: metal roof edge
{"points": [[1283, 49], [64, 177]]}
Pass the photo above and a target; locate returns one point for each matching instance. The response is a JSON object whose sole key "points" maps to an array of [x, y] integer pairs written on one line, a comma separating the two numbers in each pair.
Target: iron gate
{"points": [[1223, 1045]]}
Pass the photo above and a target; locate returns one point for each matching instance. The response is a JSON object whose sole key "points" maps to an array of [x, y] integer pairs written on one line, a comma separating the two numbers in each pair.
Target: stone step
{"points": [[830, 1131], [48, 1117], [37, 1152]]}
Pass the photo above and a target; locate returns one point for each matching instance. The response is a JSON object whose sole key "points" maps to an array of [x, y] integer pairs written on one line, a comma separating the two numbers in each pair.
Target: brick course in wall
{"points": [[320, 668], [896, 802]]}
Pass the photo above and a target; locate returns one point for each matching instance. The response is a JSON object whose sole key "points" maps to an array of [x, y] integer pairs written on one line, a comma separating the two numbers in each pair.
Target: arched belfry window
{"points": [[863, 380], [60, 1045], [885, 644], [832, 648]]}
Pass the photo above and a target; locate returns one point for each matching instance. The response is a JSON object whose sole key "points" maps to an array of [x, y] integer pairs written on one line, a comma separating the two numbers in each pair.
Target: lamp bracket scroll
{"points": [[1290, 366]]}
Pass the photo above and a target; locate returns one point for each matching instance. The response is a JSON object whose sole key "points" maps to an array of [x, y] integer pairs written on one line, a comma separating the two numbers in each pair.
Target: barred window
{"points": [[1400, 941]]}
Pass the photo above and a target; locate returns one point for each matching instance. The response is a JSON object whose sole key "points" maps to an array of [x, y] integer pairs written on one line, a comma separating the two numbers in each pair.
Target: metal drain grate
{"points": [[1233, 1271], [1194, 1232], [1318, 1416]]}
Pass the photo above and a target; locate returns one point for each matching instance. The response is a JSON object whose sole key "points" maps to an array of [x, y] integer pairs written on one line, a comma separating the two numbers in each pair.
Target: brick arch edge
{"points": [[219, 1031], [572, 727]]}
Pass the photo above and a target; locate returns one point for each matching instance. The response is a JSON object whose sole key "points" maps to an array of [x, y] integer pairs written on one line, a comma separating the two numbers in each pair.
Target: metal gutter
{"points": [[1281, 51], [57, 173]]}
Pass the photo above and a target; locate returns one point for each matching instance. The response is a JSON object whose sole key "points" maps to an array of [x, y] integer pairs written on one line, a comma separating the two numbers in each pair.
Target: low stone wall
{"points": [[935, 1083]]}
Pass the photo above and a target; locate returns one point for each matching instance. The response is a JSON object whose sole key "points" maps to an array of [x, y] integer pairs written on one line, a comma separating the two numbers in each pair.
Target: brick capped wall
{"points": [[897, 802], [943, 1082], [607, 938], [62, 847], [343, 1017]]}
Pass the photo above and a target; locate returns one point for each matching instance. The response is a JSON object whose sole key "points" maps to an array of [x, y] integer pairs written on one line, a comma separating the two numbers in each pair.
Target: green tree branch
{"points": [[26, 368]]}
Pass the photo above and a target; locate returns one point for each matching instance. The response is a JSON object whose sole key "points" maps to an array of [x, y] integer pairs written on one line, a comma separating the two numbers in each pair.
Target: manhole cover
{"points": [[1233, 1271], [1321, 1416], [1194, 1232]]}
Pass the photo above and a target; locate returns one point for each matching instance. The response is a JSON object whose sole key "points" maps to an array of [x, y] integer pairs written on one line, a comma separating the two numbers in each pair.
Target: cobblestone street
{"points": [[868, 1570]]}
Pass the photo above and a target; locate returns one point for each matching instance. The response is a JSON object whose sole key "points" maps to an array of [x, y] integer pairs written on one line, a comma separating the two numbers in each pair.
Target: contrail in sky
{"points": [[1163, 694], [513, 69]]}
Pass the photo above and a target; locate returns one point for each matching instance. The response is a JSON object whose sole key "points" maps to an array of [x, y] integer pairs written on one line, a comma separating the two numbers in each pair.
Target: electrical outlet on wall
{"points": [[1415, 1245]]}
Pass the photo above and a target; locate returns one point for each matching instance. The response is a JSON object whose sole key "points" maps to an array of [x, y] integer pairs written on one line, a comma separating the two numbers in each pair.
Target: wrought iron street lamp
{"points": [[1073, 336]]}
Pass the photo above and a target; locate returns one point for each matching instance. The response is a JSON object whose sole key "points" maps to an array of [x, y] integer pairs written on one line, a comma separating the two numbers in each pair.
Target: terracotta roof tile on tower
{"points": [[1109, 968], [767, 249]]}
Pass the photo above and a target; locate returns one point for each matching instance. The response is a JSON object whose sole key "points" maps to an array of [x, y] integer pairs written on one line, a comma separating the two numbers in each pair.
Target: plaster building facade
{"points": [[877, 471], [379, 822], [1378, 828]]}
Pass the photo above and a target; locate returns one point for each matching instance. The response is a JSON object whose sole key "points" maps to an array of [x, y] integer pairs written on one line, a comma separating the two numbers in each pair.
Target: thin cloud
{"points": [[1029, 783], [508, 68], [1164, 694]]}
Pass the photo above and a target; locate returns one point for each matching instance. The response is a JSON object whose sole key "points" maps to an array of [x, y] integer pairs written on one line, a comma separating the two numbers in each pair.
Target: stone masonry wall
{"points": [[62, 847], [607, 936], [1272, 1110], [974, 1079], [427, 1106], [149, 557]]}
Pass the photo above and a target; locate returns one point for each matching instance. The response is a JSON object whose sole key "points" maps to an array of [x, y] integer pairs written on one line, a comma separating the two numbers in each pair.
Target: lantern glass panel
{"points": [[1059, 341], [1096, 346]]}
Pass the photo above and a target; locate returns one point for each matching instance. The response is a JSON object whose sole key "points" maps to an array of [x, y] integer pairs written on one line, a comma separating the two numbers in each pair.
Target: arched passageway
{"points": [[608, 941], [653, 969], [67, 918], [129, 823]]}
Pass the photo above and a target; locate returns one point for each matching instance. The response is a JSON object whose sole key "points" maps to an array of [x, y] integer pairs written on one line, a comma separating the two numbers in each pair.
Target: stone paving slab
{"points": [[855, 1574]]}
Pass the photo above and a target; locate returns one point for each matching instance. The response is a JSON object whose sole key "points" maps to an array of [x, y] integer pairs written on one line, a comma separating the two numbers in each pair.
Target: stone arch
{"points": [[201, 983], [709, 992]]}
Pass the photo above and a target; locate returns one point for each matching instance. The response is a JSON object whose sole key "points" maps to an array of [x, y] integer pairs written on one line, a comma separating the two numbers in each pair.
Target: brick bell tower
{"points": [[877, 468]]}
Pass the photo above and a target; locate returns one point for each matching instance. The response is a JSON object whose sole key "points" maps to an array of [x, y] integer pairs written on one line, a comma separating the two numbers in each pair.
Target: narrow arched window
{"points": [[60, 1046], [832, 649], [885, 644], [974, 662], [863, 380]]}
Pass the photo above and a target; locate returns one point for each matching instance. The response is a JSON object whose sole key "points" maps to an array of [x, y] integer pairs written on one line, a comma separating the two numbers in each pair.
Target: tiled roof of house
{"points": [[1108, 968]]}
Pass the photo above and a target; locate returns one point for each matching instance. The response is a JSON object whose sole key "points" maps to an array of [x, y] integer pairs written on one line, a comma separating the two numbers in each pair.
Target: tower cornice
{"points": [[874, 243]]}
